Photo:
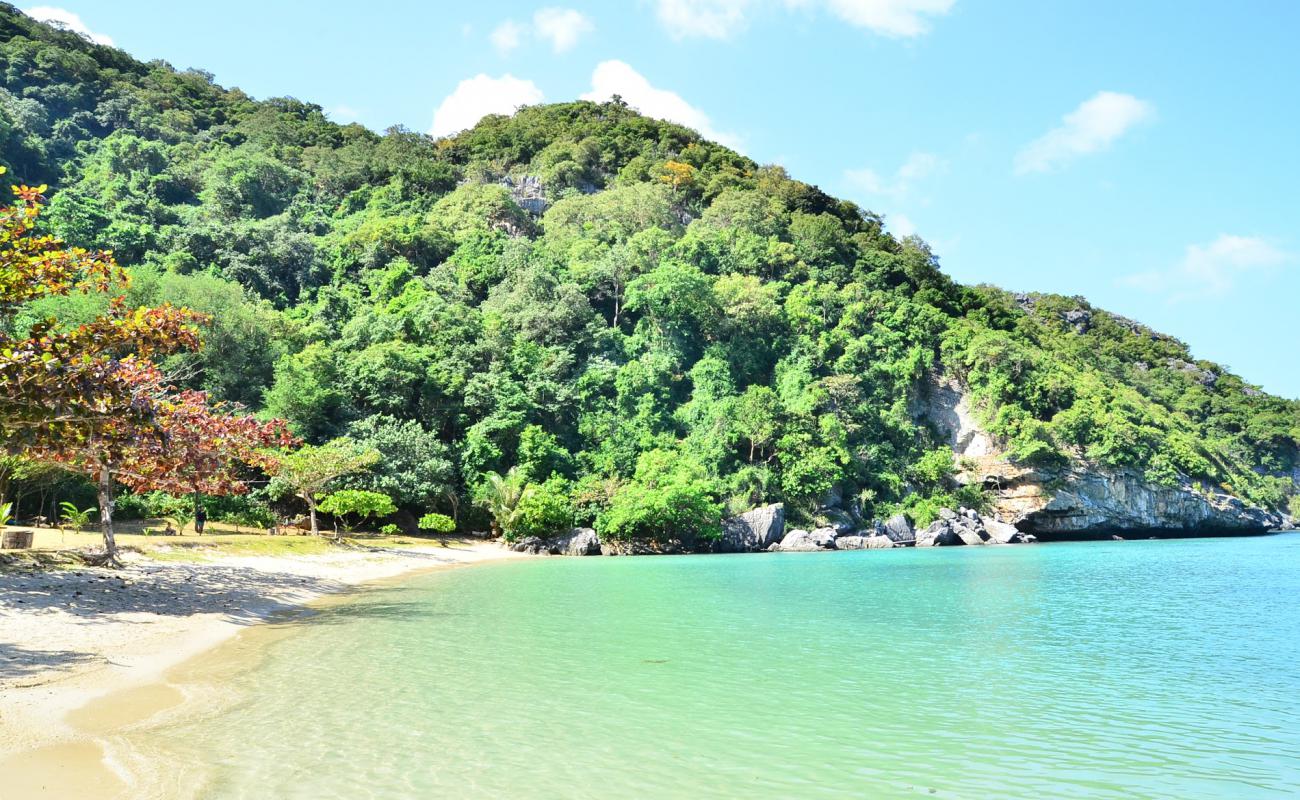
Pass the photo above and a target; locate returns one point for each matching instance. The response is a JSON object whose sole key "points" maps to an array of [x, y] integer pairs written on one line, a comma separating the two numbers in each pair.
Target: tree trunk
{"points": [[106, 504], [311, 509]]}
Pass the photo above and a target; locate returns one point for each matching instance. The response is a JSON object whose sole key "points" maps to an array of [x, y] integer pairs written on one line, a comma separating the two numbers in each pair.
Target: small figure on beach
{"points": [[200, 519]]}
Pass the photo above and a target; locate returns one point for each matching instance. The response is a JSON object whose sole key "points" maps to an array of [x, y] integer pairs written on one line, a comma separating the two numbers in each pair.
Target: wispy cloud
{"points": [[618, 78], [507, 36], [897, 18], [900, 185], [67, 19], [1210, 270], [722, 19], [475, 98], [1090, 128], [562, 28], [902, 188]]}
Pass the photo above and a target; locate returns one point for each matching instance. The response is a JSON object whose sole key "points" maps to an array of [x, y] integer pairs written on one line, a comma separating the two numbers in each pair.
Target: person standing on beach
{"points": [[200, 518]]}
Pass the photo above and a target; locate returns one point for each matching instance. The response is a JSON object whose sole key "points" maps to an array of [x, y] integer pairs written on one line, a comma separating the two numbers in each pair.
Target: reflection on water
{"points": [[1127, 669]]}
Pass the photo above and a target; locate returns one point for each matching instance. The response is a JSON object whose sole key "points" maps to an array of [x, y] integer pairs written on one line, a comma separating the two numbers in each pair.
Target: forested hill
{"points": [[651, 329]]}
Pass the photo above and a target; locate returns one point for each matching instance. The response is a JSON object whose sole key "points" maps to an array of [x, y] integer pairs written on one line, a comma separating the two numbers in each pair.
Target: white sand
{"points": [[69, 636]]}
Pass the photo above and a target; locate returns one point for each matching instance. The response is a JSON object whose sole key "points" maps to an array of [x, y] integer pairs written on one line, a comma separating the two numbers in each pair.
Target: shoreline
{"points": [[85, 652]]}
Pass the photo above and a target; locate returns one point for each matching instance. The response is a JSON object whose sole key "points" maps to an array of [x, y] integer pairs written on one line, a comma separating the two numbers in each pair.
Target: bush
{"points": [[390, 530], [438, 523], [544, 509]]}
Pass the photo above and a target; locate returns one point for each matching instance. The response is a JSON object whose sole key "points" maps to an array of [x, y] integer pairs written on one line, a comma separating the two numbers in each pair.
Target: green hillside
{"points": [[650, 329]]}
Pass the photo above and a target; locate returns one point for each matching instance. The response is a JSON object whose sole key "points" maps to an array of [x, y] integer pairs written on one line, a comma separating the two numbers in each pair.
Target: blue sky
{"points": [[1140, 154]]}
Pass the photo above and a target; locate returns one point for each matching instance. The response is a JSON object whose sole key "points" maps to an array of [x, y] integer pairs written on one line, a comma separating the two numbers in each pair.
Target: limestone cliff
{"points": [[1080, 500]]}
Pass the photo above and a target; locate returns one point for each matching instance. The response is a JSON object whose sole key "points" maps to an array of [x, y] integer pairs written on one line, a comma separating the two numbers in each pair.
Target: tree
{"points": [[90, 398], [756, 419], [544, 509], [58, 384], [356, 502], [668, 499], [308, 471], [499, 495], [190, 446], [416, 470]]}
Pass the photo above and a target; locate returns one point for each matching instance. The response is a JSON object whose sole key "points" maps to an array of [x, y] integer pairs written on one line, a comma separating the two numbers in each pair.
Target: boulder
{"points": [[970, 534], [839, 519], [529, 544], [1002, 533], [857, 542], [801, 540], [898, 528], [938, 534], [577, 542], [756, 529]]}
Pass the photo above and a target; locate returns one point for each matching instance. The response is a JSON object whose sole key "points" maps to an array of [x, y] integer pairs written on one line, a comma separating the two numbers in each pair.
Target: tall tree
{"points": [[308, 471]]}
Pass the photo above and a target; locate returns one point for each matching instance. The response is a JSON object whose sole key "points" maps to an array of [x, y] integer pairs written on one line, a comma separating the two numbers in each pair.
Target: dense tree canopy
{"points": [[646, 327]]}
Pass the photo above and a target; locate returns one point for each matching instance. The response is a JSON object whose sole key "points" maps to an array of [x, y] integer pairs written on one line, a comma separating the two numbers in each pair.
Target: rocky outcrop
{"points": [[898, 529], [967, 527], [754, 530], [576, 542], [1092, 502], [800, 540], [1081, 500], [857, 542], [528, 192], [946, 406]]}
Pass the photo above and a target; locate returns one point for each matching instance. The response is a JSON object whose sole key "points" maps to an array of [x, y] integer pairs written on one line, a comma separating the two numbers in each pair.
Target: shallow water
{"points": [[1163, 669]]}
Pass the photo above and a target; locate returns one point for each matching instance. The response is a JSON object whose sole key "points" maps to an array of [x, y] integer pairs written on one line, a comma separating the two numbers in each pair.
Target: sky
{"points": [[1142, 155]]}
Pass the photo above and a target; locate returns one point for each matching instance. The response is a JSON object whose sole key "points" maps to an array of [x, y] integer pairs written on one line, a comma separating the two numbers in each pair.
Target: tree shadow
{"points": [[18, 663], [96, 595]]}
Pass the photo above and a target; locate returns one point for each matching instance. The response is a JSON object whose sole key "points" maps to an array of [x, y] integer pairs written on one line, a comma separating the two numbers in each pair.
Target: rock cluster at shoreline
{"points": [[763, 530]]}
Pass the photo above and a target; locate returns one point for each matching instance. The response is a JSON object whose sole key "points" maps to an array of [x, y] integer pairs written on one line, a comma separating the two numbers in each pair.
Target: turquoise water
{"points": [[1163, 669]]}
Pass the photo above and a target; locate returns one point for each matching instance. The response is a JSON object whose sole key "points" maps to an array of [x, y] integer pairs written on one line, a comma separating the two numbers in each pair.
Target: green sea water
{"points": [[1165, 669]]}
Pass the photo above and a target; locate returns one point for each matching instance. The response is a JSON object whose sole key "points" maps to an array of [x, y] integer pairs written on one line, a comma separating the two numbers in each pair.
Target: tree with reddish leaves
{"points": [[191, 446], [91, 398]]}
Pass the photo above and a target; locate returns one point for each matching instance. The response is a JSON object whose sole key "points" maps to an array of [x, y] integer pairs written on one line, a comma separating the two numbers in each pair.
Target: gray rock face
{"points": [[801, 540], [577, 542], [842, 521], [1097, 501], [529, 544], [939, 533], [967, 527], [1002, 533], [528, 193], [898, 528], [872, 542], [753, 530]]}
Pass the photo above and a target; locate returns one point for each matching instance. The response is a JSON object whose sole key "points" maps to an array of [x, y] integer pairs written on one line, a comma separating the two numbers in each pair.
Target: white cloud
{"points": [[68, 20], [900, 225], [900, 18], [506, 36], [719, 19], [1090, 128], [475, 98], [617, 78], [709, 19], [1210, 270], [900, 185], [562, 27]]}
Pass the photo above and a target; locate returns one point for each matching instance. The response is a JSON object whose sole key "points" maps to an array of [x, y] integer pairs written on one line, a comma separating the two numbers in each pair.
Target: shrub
{"points": [[438, 523], [544, 509]]}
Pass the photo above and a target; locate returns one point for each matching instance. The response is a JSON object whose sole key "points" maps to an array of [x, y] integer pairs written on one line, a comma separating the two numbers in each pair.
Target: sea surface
{"points": [[1137, 669]]}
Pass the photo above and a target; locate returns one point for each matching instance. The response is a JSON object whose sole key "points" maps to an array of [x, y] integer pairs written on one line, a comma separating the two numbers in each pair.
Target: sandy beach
{"points": [[84, 650]]}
